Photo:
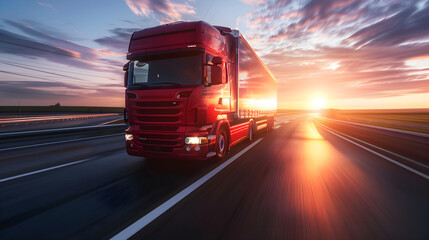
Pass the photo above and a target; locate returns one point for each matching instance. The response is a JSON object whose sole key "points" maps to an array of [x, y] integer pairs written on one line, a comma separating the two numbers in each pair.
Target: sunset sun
{"points": [[318, 103]]}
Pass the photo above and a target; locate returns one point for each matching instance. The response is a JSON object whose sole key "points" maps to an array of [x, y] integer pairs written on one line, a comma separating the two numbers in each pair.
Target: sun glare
{"points": [[318, 103]]}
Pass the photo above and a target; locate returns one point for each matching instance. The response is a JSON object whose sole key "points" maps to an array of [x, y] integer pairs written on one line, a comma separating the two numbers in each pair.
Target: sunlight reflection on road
{"points": [[327, 187], [316, 152]]}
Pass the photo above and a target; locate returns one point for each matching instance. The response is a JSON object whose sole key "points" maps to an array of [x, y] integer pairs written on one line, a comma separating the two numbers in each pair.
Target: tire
{"points": [[221, 144]]}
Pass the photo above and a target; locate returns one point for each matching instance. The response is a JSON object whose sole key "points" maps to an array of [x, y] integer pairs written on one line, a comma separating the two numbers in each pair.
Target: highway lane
{"points": [[39, 138], [89, 200], [299, 182], [15, 162]]}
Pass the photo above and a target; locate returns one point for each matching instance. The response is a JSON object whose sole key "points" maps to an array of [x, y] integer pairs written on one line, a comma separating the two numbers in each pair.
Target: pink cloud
{"points": [[166, 9], [254, 2], [370, 42]]}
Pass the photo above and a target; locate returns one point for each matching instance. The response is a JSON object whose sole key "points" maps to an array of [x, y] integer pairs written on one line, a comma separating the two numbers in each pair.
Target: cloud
{"points": [[19, 45], [318, 16], [47, 5], [27, 91], [52, 83], [369, 42], [408, 24], [37, 44], [67, 45], [119, 40], [254, 2], [165, 9], [42, 84], [370, 72]]}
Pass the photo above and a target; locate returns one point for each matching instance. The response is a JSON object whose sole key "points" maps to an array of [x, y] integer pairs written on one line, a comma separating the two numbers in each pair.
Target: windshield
{"points": [[175, 71]]}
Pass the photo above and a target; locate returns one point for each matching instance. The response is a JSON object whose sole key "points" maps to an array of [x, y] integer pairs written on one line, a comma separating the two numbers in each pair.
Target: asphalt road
{"points": [[299, 181]]}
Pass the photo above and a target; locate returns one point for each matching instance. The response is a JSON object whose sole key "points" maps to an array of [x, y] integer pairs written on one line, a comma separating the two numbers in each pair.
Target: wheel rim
{"points": [[221, 144]]}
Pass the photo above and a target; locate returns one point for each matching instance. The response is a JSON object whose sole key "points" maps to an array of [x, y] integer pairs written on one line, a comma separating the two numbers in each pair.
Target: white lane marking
{"points": [[148, 218], [64, 141], [378, 154], [45, 170], [277, 125], [382, 149], [107, 123]]}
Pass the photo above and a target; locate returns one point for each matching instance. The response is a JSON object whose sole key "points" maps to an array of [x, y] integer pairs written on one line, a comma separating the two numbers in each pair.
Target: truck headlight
{"points": [[128, 137], [196, 140]]}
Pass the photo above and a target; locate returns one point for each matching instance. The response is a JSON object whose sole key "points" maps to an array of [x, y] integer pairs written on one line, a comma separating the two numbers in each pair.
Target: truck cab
{"points": [[182, 92]]}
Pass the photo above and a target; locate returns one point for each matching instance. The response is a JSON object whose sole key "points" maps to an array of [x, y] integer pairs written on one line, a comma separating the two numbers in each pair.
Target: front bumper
{"points": [[205, 151], [136, 147]]}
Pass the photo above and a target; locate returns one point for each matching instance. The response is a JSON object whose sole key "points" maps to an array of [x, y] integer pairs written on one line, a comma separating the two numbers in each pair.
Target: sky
{"points": [[349, 54]]}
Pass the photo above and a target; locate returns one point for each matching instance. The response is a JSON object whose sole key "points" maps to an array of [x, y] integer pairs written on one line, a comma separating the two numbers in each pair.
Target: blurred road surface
{"points": [[299, 182]]}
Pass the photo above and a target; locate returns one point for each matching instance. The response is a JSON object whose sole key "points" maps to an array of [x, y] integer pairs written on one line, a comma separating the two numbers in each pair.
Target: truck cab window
{"points": [[208, 69], [140, 73], [177, 71], [209, 65]]}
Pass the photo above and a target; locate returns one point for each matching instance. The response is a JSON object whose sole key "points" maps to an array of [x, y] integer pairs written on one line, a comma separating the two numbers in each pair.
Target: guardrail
{"points": [[62, 130]]}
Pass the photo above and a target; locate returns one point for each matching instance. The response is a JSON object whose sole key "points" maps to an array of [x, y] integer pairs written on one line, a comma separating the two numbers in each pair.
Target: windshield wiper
{"points": [[166, 83]]}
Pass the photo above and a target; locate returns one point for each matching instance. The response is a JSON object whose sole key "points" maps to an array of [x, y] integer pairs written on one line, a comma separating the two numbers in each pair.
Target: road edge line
{"points": [[377, 147], [45, 170], [158, 211], [378, 154]]}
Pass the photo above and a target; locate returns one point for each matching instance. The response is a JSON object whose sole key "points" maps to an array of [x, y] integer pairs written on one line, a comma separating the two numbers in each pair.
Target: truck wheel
{"points": [[221, 144], [251, 132]]}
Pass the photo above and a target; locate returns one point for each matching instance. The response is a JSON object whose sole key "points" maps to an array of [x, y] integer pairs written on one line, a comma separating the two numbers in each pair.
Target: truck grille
{"points": [[158, 111], [154, 113], [158, 104], [159, 128], [159, 123], [158, 119]]}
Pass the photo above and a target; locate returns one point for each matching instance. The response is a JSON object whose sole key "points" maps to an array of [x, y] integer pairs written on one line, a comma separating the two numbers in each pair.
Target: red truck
{"points": [[193, 91]]}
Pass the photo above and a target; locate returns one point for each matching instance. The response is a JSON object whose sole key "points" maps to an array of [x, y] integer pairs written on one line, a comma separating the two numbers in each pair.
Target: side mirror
{"points": [[216, 73], [126, 79], [125, 68]]}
